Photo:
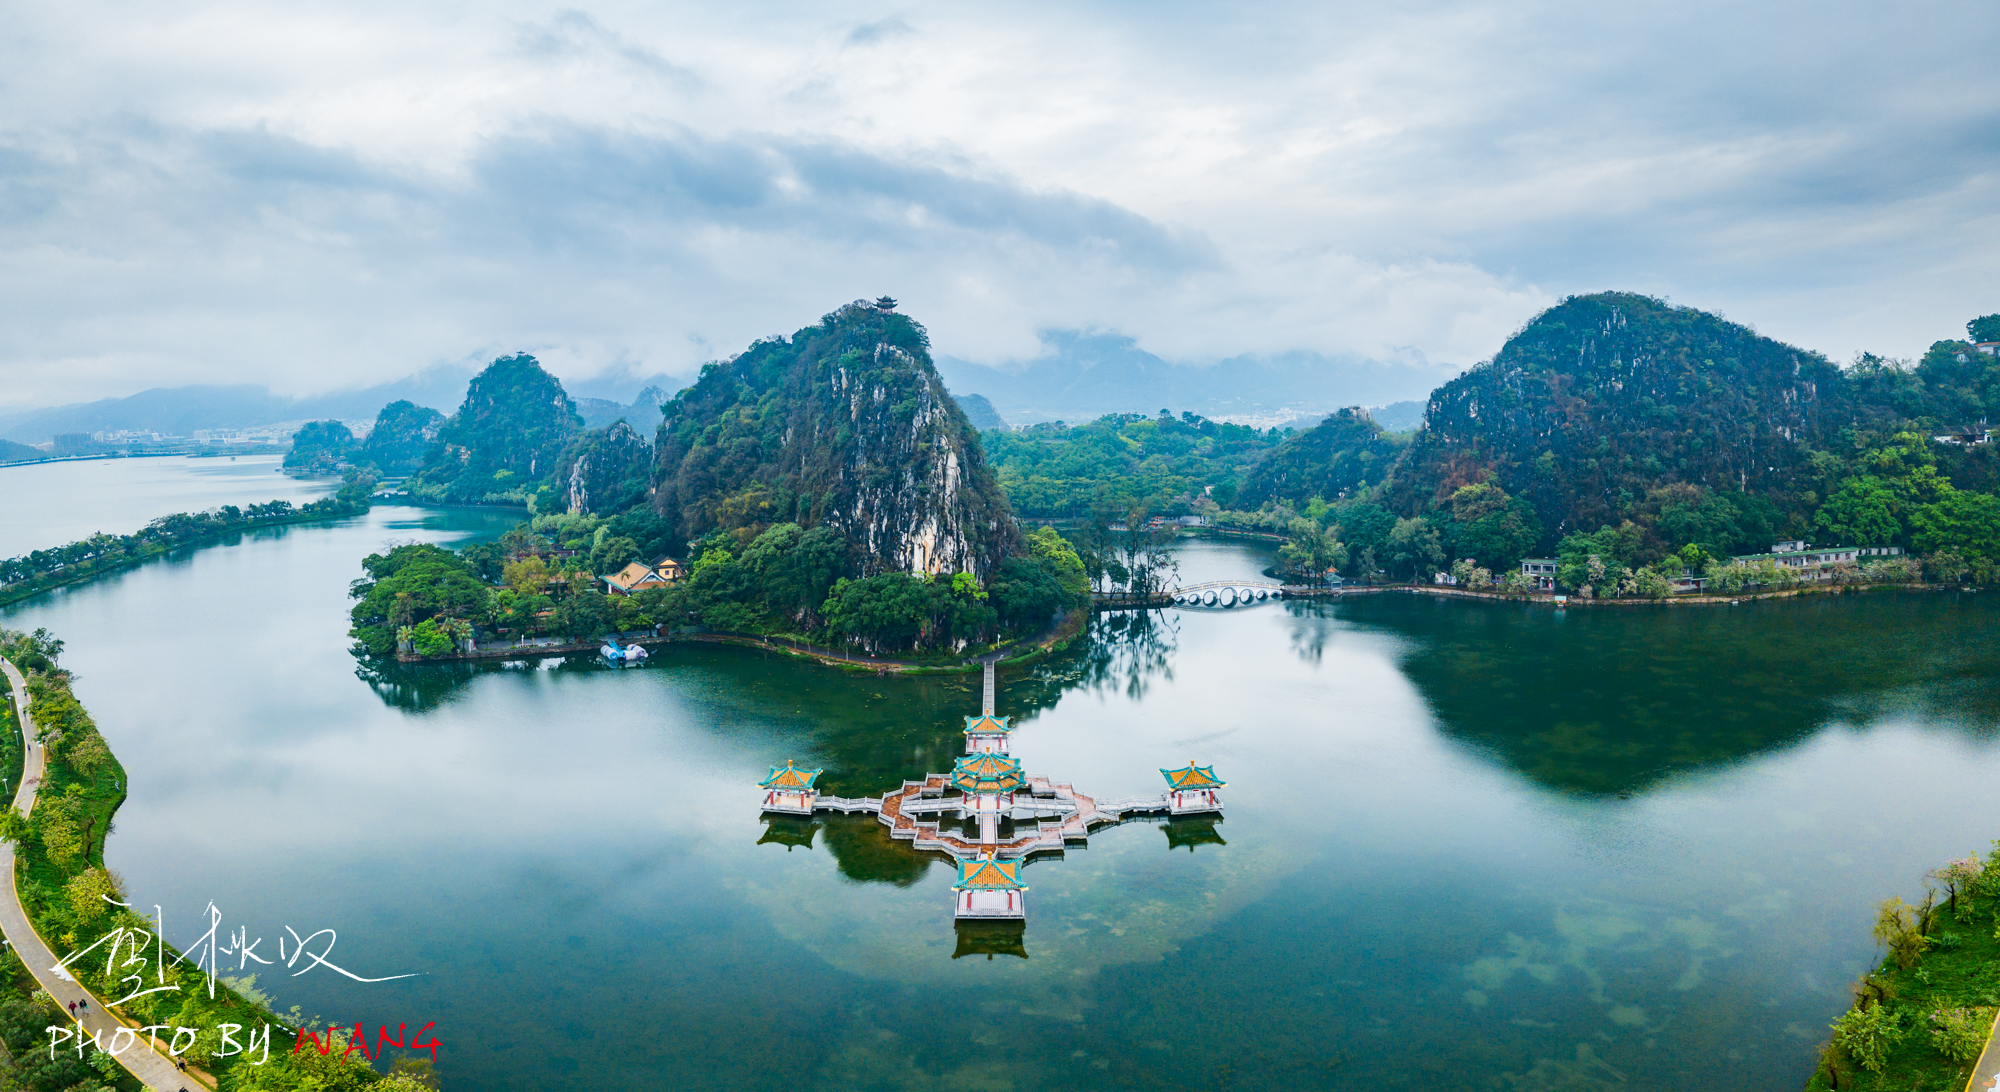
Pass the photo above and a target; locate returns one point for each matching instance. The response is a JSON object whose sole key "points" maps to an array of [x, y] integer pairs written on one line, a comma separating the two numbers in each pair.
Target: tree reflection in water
{"points": [[1611, 700]]}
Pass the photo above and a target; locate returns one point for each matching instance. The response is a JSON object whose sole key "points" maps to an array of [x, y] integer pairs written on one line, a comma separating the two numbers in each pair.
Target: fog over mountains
{"points": [[180, 411], [1080, 376]]}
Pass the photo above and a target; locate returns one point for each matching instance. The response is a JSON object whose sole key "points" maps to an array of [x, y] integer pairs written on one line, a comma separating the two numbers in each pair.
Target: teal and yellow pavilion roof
{"points": [[987, 874], [1192, 776], [789, 776], [987, 773], [986, 724]]}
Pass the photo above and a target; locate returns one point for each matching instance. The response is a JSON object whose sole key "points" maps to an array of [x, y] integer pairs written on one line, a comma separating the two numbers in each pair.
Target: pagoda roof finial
{"points": [[1192, 776], [987, 773], [789, 777]]}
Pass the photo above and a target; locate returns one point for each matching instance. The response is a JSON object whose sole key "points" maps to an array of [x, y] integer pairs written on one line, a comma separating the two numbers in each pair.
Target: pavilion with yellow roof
{"points": [[1191, 789], [987, 774], [986, 734], [790, 789], [989, 888]]}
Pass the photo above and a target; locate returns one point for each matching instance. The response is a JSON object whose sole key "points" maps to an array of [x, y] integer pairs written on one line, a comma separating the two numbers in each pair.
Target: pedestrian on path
{"points": [[83, 1006], [72, 1010]]}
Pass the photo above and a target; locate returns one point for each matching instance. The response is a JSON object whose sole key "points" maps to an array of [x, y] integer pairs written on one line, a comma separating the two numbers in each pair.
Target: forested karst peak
{"points": [[845, 425], [515, 421], [1603, 397]]}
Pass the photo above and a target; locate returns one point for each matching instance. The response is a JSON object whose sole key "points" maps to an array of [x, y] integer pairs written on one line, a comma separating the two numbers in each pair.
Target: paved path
{"points": [[152, 1069]]}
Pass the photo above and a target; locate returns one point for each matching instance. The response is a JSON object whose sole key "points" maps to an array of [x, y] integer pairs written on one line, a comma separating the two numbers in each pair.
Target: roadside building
{"points": [[1817, 563]]}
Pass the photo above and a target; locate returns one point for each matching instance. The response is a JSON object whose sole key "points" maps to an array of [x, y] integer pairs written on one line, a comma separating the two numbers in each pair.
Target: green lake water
{"points": [[1467, 845]]}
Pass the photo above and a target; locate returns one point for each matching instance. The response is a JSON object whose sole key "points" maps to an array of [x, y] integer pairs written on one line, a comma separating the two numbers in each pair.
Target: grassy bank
{"points": [[66, 890], [1922, 1016]]}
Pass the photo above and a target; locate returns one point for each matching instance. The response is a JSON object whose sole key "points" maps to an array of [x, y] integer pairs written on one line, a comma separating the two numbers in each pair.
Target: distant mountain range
{"points": [[180, 411], [1082, 376]]}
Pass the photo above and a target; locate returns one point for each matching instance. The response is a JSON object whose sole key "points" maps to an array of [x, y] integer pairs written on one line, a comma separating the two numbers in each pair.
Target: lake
{"points": [[50, 504], [1467, 845]]}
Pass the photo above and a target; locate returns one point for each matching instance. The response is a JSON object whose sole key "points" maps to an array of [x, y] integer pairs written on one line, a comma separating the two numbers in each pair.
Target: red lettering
{"points": [[431, 1046], [304, 1035], [382, 1037], [359, 1042]]}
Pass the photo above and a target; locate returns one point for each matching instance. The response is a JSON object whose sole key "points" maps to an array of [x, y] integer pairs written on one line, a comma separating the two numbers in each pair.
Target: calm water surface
{"points": [[48, 504], [1468, 846]]}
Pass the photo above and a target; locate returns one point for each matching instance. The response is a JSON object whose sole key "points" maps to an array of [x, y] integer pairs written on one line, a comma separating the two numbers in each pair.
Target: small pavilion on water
{"points": [[790, 789], [989, 888]]}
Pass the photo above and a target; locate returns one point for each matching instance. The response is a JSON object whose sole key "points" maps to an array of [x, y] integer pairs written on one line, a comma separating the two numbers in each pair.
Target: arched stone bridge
{"points": [[1228, 593]]}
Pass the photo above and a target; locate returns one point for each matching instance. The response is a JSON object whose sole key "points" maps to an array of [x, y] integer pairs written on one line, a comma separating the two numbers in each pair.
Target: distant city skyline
{"points": [[328, 197]]}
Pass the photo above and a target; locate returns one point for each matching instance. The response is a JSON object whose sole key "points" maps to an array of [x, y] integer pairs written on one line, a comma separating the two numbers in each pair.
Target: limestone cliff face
{"points": [[845, 425], [605, 470]]}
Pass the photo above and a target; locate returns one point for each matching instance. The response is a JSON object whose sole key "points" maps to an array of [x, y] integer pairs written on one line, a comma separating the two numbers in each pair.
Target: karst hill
{"points": [[844, 425]]}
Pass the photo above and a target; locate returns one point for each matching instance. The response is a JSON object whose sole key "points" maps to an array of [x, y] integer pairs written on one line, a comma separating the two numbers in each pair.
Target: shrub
{"points": [[1960, 1034], [1866, 1035], [1898, 925]]}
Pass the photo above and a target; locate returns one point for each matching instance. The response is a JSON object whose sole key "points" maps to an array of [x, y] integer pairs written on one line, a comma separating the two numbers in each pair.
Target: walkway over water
{"points": [[986, 789]]}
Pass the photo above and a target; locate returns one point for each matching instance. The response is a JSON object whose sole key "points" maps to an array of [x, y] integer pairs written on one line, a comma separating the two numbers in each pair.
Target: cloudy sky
{"points": [[319, 196]]}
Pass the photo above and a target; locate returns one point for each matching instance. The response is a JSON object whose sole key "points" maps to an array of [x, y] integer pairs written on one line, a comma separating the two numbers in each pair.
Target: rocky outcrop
{"points": [[847, 425], [606, 470]]}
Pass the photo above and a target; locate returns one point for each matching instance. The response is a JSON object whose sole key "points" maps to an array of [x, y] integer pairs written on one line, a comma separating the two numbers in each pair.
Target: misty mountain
{"points": [[643, 413], [1082, 376], [979, 413], [179, 411], [1399, 416]]}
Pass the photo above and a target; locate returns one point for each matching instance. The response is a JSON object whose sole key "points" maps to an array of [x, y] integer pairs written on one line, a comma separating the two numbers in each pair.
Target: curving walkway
{"points": [[145, 1063]]}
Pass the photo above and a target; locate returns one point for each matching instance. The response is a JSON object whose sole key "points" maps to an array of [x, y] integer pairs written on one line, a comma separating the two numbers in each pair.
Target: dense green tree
{"points": [[1311, 550], [1414, 549], [584, 615], [1342, 455], [1984, 328], [409, 585], [1961, 384], [1603, 398], [1490, 527], [894, 611], [1157, 465], [1723, 523], [1967, 523], [1602, 561], [1862, 512], [613, 554]]}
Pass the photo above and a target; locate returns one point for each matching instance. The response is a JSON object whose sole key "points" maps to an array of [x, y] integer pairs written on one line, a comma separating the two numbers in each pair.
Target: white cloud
{"points": [[324, 195]]}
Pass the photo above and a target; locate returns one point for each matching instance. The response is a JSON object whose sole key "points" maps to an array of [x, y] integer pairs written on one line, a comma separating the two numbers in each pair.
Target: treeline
{"points": [[102, 553], [68, 892], [542, 579], [1156, 465]]}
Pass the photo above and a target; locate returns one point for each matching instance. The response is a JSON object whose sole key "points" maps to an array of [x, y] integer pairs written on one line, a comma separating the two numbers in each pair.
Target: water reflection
{"points": [[1612, 700], [991, 938], [1193, 832]]}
